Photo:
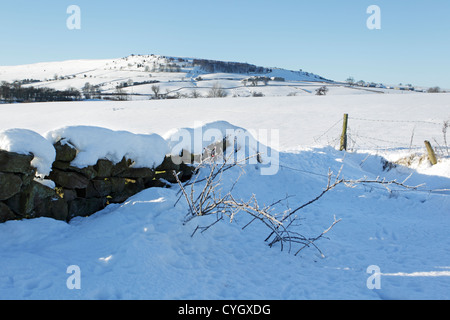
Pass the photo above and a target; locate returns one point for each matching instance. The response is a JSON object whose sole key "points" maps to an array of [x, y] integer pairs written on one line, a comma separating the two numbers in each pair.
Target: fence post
{"points": [[344, 133], [431, 154]]}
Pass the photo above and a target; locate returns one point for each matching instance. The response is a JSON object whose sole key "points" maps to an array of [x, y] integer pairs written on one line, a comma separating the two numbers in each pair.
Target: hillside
{"points": [[175, 78]]}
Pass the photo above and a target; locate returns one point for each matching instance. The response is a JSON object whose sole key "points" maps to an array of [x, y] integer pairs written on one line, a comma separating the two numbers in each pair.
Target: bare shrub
{"points": [[195, 94], [434, 90], [257, 94], [217, 91], [322, 91]]}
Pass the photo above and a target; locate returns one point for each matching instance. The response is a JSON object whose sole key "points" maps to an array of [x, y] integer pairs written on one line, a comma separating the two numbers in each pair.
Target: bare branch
{"points": [[211, 200], [311, 241]]}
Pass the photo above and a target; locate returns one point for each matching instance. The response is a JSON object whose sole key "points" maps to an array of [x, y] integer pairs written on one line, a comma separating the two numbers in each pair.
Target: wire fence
{"points": [[364, 135], [366, 138], [388, 135], [399, 121], [390, 189]]}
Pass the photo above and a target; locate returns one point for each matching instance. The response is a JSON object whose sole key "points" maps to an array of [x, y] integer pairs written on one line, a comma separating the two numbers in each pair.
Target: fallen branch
{"points": [[212, 200]]}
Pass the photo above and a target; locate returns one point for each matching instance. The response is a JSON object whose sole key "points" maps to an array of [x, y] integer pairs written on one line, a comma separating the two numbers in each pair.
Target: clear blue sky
{"points": [[327, 37]]}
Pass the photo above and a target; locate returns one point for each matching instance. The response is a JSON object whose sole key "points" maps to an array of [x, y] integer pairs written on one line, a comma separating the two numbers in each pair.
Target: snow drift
{"points": [[240, 144]]}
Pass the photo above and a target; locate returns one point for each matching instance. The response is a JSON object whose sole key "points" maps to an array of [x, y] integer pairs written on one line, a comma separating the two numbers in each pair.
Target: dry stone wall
{"points": [[77, 192]]}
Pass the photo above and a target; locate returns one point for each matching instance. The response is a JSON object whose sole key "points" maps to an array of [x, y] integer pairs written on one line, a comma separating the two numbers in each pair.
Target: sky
{"points": [[327, 37]]}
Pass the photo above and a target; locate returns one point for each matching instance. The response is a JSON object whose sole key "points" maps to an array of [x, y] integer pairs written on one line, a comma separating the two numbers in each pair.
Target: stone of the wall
{"points": [[104, 168], [10, 185], [31, 195], [6, 213], [65, 152], [81, 207], [23, 197], [165, 169], [14, 162], [68, 179]]}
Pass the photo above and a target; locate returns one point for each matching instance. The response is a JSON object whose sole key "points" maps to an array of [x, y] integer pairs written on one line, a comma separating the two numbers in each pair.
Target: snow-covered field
{"points": [[142, 250]]}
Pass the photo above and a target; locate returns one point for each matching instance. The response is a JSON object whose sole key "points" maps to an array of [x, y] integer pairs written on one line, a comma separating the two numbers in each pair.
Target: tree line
{"points": [[15, 92], [213, 66]]}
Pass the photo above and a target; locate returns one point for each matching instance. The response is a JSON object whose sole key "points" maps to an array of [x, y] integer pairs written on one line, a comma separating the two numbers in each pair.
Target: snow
{"points": [[25, 141], [46, 182], [93, 143], [142, 249], [240, 142], [300, 119], [48, 70], [196, 139]]}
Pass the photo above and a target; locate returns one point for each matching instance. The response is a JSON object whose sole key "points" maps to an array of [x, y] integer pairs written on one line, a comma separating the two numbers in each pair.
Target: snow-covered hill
{"points": [[175, 77], [142, 250]]}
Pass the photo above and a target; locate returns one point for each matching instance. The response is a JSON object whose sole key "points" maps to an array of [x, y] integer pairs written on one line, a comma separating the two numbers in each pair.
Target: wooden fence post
{"points": [[344, 133], [431, 154]]}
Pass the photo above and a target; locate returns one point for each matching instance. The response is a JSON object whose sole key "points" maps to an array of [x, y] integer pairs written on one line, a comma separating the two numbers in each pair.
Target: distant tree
{"points": [[217, 91], [434, 90], [156, 89], [254, 81], [72, 92], [14, 92], [322, 91], [121, 95], [350, 80], [195, 94], [91, 91], [6, 92], [87, 90]]}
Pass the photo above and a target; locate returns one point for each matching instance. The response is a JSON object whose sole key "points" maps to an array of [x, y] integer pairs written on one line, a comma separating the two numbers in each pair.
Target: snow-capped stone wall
{"points": [[77, 171], [66, 190]]}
